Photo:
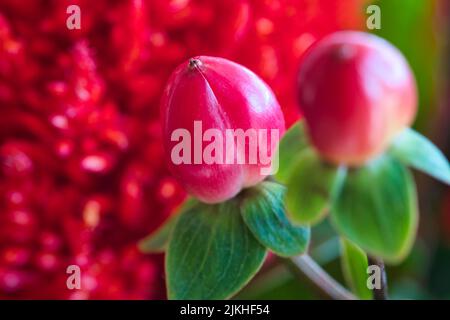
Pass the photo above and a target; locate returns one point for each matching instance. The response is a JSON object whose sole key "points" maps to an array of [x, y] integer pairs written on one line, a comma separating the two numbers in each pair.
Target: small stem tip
{"points": [[194, 63], [382, 292]]}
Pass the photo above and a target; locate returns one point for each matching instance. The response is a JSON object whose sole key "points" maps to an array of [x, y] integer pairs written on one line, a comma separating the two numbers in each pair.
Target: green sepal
{"points": [[157, 241], [415, 150], [211, 254], [263, 212], [311, 188], [354, 264], [292, 143], [377, 209]]}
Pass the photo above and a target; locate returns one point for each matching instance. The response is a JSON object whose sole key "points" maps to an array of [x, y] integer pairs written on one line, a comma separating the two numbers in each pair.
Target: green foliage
{"points": [[214, 250], [211, 254], [293, 142], [354, 266], [311, 187], [417, 151], [263, 212], [157, 241], [377, 209]]}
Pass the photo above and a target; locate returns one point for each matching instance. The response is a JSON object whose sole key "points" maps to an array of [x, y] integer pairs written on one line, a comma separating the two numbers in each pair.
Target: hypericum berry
{"points": [[356, 92], [221, 125]]}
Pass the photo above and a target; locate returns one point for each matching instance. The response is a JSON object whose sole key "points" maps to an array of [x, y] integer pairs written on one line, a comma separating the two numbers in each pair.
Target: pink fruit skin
{"points": [[356, 92], [223, 95]]}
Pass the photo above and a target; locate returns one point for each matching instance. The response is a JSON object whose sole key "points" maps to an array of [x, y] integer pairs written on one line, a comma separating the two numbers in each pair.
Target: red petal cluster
{"points": [[82, 171]]}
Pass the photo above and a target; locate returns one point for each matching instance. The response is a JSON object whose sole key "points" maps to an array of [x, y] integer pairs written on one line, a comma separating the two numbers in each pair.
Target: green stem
{"points": [[308, 270]]}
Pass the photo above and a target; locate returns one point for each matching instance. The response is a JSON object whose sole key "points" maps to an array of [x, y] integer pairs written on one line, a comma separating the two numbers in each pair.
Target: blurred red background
{"points": [[82, 173]]}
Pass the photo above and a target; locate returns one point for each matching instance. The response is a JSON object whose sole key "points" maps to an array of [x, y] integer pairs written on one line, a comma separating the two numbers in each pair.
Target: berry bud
{"points": [[356, 92], [221, 125]]}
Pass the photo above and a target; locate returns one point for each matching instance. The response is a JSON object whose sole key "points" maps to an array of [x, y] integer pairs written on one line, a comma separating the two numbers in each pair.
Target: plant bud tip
{"points": [[194, 63]]}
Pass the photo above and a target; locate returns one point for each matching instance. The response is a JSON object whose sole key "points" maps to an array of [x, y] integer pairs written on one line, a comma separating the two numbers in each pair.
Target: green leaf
{"points": [[377, 209], [212, 254], [354, 266], [157, 241], [293, 141], [417, 151], [263, 212], [311, 187]]}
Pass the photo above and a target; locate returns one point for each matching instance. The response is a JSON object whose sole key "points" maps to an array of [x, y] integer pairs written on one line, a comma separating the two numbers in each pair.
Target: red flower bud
{"points": [[356, 92], [206, 102]]}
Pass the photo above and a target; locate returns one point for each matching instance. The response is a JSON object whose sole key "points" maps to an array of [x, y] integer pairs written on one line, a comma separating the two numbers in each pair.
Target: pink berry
{"points": [[218, 94], [356, 91]]}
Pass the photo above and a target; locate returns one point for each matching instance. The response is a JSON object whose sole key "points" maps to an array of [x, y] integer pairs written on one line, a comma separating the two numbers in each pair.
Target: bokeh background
{"points": [[82, 172]]}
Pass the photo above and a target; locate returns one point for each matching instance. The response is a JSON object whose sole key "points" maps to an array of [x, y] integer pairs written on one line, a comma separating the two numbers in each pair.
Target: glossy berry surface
{"points": [[221, 95], [356, 92]]}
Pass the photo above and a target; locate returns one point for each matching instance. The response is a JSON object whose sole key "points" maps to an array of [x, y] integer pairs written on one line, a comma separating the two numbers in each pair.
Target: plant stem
{"points": [[379, 294], [325, 285]]}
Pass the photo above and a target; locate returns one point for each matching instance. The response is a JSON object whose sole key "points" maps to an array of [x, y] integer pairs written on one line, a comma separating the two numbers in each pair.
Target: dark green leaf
{"points": [[293, 142], [354, 266], [212, 254], [263, 212], [377, 209], [157, 241], [310, 188], [417, 151]]}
